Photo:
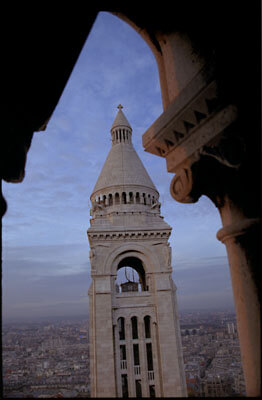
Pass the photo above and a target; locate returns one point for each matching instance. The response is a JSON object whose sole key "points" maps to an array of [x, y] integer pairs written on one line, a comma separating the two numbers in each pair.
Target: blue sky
{"points": [[46, 268]]}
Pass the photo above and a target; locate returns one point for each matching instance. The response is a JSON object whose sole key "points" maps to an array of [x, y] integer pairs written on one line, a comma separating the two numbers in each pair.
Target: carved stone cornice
{"points": [[193, 146], [193, 105], [195, 127], [131, 235]]}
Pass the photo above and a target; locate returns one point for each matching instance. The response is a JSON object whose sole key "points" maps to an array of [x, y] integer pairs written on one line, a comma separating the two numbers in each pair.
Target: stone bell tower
{"points": [[135, 344]]}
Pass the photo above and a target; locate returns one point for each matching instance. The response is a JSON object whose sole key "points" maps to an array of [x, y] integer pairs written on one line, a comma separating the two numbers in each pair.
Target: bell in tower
{"points": [[135, 343]]}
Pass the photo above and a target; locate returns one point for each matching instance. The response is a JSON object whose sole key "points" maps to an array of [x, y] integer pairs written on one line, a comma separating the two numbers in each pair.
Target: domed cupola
{"points": [[123, 184]]}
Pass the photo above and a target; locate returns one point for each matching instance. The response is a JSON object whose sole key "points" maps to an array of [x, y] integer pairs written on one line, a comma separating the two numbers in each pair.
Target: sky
{"points": [[46, 269]]}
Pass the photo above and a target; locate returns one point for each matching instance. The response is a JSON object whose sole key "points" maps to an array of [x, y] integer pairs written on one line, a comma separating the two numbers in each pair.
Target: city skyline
{"points": [[46, 269]]}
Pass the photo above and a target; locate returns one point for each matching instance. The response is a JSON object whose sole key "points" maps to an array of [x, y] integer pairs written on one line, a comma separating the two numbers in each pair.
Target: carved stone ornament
{"points": [[181, 186], [98, 207]]}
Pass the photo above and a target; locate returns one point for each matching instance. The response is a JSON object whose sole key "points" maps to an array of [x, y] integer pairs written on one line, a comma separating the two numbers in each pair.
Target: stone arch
{"points": [[166, 50], [150, 263]]}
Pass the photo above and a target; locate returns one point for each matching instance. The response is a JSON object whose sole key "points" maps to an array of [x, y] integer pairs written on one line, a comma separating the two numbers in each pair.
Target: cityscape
{"points": [[50, 358]]}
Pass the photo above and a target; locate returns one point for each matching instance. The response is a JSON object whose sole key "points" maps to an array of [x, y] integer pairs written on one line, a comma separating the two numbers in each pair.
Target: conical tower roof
{"points": [[120, 119], [122, 167]]}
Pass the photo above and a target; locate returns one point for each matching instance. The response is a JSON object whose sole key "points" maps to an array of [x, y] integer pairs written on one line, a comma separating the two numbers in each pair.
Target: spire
{"points": [[122, 166]]}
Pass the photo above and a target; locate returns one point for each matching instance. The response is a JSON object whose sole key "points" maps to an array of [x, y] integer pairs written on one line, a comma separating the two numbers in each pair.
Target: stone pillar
{"points": [[168, 344], [236, 233], [241, 237], [103, 369]]}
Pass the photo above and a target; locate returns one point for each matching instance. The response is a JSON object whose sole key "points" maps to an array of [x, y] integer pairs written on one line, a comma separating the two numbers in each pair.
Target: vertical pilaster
{"points": [[143, 363], [130, 360], [155, 358], [117, 361]]}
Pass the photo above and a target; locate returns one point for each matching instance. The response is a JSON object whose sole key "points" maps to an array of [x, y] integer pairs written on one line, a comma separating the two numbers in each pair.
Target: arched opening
{"points": [[134, 328], [121, 328], [131, 275], [110, 199], [123, 198], [117, 198], [147, 326], [131, 198], [137, 198]]}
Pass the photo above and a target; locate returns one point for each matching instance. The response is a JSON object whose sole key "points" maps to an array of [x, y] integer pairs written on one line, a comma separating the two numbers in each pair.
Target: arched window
{"points": [[131, 198], [123, 198], [144, 197], [147, 327], [104, 199], [110, 200], [134, 328], [131, 275], [117, 199], [137, 198], [121, 328]]}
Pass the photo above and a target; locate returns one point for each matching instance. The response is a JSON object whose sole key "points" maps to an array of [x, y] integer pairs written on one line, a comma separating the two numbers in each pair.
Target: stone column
{"points": [[237, 233], [241, 236]]}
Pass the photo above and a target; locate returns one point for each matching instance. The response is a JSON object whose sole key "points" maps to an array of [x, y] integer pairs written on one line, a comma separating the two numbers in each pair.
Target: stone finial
{"points": [[120, 106]]}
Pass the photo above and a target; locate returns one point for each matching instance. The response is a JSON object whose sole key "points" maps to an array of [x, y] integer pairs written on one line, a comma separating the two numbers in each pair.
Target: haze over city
{"points": [[46, 269]]}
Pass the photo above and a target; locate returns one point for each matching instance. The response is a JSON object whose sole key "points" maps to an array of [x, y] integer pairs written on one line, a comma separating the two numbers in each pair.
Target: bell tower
{"points": [[135, 343]]}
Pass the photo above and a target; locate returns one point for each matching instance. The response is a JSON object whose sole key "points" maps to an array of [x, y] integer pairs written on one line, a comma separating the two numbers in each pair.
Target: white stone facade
{"points": [[135, 344]]}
